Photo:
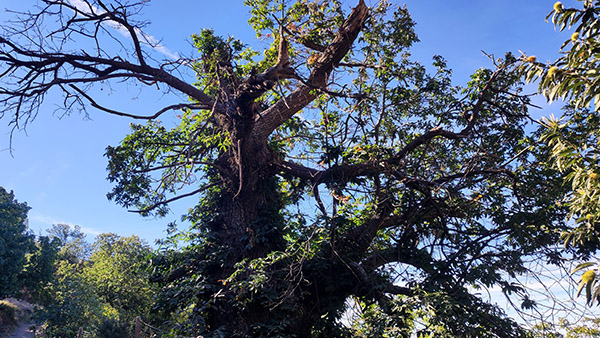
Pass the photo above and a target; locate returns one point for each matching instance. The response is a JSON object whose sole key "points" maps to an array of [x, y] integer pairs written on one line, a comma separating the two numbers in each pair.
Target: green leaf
{"points": [[580, 288]]}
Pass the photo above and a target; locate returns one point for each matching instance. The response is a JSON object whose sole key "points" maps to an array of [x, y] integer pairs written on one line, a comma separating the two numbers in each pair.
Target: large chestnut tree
{"points": [[336, 187]]}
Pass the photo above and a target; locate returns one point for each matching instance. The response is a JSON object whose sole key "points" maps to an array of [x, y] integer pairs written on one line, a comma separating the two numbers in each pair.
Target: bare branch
{"points": [[156, 205], [30, 67], [418, 258], [150, 117], [439, 131], [471, 173], [398, 290], [340, 173]]}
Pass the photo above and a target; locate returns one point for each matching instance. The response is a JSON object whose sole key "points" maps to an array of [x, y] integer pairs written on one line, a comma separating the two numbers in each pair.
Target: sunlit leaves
{"points": [[588, 281], [574, 76], [111, 287], [118, 271], [573, 145], [573, 139], [153, 162], [221, 60]]}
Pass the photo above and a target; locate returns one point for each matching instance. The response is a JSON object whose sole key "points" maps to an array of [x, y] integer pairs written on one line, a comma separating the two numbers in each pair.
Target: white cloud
{"points": [[146, 39], [90, 231]]}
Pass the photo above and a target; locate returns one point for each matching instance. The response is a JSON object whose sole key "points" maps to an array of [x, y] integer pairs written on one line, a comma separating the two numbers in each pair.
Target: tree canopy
{"points": [[118, 271], [329, 171], [15, 241], [102, 292]]}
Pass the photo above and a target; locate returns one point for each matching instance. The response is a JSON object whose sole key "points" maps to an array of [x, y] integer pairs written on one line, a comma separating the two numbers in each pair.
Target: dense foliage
{"points": [[340, 189], [118, 272], [15, 242], [101, 292], [38, 272]]}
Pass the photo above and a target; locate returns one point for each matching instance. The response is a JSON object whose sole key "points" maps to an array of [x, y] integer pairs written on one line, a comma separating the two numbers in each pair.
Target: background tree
{"points": [[118, 270], [102, 293], [73, 245], [73, 303], [15, 242], [70, 301], [546, 330], [331, 169], [585, 328], [39, 270]]}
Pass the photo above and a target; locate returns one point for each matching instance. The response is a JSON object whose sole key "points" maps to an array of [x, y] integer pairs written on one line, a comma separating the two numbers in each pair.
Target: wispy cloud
{"points": [[146, 39], [49, 220]]}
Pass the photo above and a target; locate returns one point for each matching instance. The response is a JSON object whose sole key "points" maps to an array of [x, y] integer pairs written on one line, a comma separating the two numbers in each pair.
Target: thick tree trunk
{"points": [[249, 196], [249, 221]]}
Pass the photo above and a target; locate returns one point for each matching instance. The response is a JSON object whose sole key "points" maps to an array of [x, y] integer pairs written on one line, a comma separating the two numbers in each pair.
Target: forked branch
{"points": [[31, 67], [286, 107]]}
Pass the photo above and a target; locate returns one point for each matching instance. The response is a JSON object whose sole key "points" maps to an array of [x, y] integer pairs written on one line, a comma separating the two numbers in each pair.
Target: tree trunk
{"points": [[249, 221]]}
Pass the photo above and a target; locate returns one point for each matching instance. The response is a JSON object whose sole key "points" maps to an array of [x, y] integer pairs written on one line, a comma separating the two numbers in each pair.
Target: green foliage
{"points": [[74, 303], [545, 330], [118, 272], [573, 145], [40, 268], [583, 328], [102, 293], [222, 60], [15, 242], [573, 138], [574, 76], [111, 328], [134, 164]]}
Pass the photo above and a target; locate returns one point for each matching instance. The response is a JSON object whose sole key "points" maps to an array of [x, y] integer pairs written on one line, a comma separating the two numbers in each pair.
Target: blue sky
{"points": [[58, 166]]}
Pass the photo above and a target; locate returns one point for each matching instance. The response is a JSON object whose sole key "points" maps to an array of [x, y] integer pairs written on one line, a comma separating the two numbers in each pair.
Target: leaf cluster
{"points": [[15, 241]]}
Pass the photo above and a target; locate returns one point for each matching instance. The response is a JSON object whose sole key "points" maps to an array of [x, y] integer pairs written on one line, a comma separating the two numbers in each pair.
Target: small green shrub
{"points": [[8, 313]]}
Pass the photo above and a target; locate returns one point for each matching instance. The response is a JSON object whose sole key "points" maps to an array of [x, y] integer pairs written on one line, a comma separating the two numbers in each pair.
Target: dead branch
{"points": [[133, 116], [31, 65]]}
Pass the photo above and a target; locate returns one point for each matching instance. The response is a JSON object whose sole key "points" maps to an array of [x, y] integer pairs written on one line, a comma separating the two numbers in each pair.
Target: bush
{"points": [[8, 314], [111, 328]]}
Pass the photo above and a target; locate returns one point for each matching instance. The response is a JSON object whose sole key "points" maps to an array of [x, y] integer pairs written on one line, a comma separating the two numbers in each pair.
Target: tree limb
{"points": [[149, 117], [30, 73], [280, 111], [191, 193], [439, 131]]}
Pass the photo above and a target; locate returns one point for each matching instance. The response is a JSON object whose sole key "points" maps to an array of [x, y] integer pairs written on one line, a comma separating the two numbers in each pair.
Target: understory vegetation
{"points": [[100, 287]]}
